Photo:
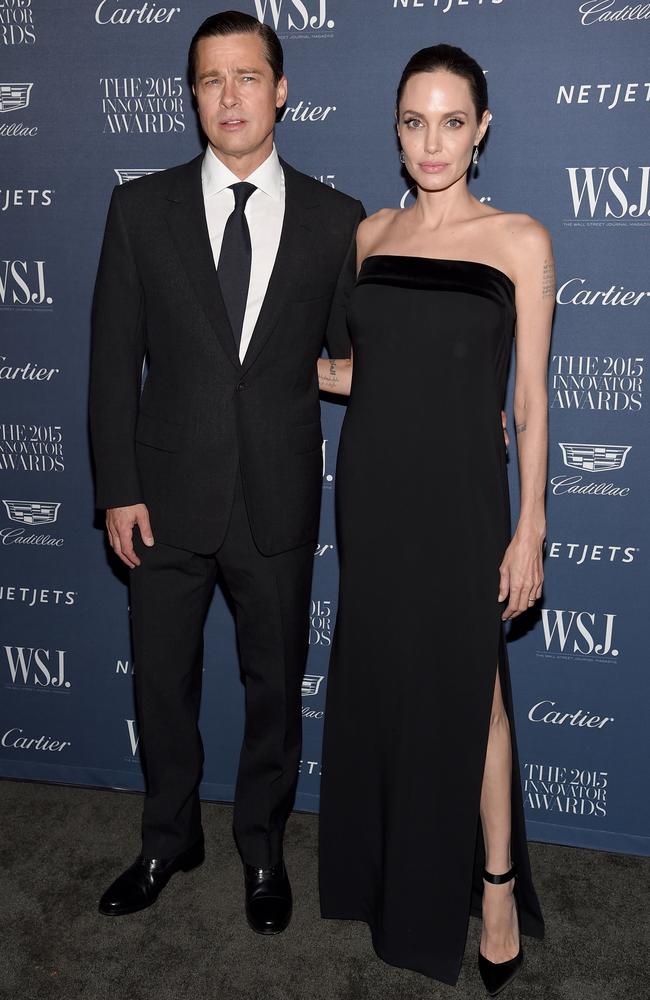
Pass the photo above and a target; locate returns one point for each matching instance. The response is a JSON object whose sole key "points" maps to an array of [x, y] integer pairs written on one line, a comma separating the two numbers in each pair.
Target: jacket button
{"points": [[240, 386]]}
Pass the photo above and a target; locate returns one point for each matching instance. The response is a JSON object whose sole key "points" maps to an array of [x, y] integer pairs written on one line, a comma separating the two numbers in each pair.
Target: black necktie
{"points": [[234, 268]]}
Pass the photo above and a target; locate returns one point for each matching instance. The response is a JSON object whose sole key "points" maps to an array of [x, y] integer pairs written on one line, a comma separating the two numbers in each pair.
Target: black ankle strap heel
{"points": [[497, 975], [499, 879]]}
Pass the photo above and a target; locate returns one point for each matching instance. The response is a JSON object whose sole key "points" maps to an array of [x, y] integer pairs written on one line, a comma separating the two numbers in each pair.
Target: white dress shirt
{"points": [[264, 214]]}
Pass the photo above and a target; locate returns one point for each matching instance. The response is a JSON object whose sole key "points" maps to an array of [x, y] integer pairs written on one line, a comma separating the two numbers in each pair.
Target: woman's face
{"points": [[437, 128]]}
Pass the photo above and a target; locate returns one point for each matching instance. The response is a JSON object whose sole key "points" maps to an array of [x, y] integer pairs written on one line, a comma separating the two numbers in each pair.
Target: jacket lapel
{"points": [[293, 251], [189, 229]]}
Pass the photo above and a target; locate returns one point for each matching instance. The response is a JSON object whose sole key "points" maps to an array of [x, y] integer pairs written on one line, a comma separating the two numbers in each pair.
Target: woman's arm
{"points": [[521, 570], [335, 375]]}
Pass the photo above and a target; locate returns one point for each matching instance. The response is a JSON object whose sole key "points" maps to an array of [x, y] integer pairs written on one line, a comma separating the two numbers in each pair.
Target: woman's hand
{"points": [[521, 572]]}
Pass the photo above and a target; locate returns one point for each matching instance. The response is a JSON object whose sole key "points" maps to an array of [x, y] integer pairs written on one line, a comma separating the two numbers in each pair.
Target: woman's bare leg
{"points": [[500, 933]]}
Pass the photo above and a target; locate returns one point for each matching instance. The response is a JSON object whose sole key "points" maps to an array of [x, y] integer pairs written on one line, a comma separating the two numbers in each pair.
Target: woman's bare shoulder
{"points": [[373, 229]]}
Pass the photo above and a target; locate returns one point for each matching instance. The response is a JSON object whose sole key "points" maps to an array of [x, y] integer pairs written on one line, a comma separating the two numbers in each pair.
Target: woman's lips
{"points": [[433, 168]]}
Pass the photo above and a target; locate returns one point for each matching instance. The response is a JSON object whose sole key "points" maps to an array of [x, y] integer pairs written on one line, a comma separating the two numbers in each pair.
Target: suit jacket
{"points": [[177, 444]]}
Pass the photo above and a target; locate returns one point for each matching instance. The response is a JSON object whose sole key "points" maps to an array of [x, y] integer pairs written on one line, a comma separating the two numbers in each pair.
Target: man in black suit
{"points": [[227, 274]]}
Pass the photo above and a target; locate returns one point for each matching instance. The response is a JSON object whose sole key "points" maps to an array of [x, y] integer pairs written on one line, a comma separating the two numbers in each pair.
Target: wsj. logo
{"points": [[604, 193], [36, 668], [124, 175], [22, 284], [32, 511], [592, 458], [16, 22], [134, 737], [593, 11], [14, 96], [148, 13], [579, 633], [297, 15], [311, 685], [595, 457]]}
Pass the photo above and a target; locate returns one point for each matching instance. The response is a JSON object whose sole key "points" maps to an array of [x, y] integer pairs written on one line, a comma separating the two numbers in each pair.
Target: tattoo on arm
{"points": [[520, 428], [548, 279], [331, 378]]}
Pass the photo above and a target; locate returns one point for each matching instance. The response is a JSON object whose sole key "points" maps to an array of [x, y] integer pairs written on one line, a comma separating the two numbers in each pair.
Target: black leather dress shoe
{"points": [[268, 898], [141, 884]]}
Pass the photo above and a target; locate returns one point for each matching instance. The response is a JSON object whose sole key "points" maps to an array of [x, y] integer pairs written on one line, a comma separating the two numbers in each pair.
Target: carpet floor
{"points": [[60, 847]]}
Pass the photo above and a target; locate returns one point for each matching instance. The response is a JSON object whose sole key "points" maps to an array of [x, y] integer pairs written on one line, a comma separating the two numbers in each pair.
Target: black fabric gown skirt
{"points": [[423, 523]]}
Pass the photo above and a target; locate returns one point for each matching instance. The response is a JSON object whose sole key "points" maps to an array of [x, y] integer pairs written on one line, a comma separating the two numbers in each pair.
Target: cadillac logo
{"points": [[131, 175], [14, 96], [32, 511], [595, 457], [310, 684]]}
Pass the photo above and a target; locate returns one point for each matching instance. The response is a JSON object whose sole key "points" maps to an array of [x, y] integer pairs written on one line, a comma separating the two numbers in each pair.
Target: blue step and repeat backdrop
{"points": [[93, 93]]}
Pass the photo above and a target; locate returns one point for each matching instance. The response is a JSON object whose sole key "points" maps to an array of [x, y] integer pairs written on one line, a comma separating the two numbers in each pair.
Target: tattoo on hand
{"points": [[548, 279], [520, 428]]}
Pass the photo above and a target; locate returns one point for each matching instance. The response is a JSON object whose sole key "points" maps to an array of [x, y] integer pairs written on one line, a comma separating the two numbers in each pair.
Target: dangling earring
{"points": [[475, 156], [402, 158]]}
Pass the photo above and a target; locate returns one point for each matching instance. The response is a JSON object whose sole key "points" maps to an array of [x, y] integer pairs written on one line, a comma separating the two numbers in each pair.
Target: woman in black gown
{"points": [[421, 807]]}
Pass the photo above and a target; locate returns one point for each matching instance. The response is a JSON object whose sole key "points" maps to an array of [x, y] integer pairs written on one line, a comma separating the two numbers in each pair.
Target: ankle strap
{"points": [[499, 879]]}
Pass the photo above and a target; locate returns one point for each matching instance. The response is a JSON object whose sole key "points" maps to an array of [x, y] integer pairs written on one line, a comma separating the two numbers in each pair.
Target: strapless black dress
{"points": [[423, 523]]}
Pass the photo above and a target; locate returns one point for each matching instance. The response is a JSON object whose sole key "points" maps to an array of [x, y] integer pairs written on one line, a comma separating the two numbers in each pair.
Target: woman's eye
{"points": [[413, 123], [455, 122]]}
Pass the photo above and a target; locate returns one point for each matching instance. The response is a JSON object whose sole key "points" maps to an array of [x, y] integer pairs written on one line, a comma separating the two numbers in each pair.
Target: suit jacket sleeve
{"points": [[336, 336], [117, 354]]}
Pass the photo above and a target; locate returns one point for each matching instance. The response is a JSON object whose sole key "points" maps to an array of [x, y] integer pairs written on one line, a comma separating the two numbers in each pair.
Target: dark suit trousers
{"points": [[170, 594]]}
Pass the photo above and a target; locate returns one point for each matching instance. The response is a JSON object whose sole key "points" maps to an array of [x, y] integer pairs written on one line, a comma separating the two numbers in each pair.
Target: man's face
{"points": [[237, 96]]}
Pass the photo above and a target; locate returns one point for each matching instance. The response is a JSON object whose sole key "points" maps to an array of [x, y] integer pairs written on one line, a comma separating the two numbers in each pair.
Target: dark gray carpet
{"points": [[60, 847]]}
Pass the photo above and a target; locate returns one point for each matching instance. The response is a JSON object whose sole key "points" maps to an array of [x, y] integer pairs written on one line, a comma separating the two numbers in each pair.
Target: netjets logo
{"points": [[609, 195], [311, 685], [31, 668], [578, 634], [307, 16], [594, 457], [131, 174], [32, 511], [14, 96]]}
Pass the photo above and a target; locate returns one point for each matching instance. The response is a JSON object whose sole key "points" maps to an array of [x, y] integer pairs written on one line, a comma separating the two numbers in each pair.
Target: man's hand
{"points": [[504, 424], [119, 524]]}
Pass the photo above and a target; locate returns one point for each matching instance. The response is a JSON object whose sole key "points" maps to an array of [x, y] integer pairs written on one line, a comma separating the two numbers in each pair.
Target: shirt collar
{"points": [[216, 176]]}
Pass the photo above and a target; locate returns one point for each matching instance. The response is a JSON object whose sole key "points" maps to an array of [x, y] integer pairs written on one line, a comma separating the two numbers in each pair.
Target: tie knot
{"points": [[242, 192]]}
